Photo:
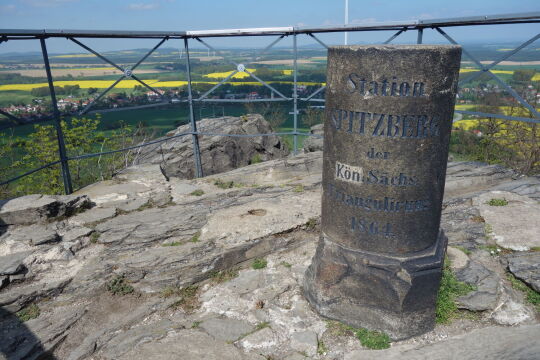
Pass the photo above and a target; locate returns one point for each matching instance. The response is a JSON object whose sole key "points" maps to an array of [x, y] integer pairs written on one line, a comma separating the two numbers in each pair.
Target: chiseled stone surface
{"points": [[387, 128]]}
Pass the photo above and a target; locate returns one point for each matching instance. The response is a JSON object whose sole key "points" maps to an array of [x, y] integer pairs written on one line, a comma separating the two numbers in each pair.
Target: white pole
{"points": [[346, 19]]}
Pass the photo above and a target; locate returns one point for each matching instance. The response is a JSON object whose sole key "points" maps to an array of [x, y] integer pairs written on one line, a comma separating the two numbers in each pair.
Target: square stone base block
{"points": [[395, 294]]}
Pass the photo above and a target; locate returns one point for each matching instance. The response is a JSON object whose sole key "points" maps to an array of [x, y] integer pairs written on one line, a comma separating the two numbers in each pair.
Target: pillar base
{"points": [[395, 294]]}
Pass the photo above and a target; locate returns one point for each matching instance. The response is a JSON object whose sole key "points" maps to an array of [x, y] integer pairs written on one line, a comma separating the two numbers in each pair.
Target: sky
{"points": [[180, 15]]}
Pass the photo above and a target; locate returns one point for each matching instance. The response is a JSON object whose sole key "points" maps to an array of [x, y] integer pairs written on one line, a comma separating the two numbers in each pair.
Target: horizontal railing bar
{"points": [[86, 156], [531, 17], [241, 100], [29, 172]]}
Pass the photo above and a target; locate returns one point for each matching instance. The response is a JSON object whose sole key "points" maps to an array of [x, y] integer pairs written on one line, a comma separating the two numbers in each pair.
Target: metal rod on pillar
{"points": [[68, 188], [295, 96], [420, 35], [194, 136]]}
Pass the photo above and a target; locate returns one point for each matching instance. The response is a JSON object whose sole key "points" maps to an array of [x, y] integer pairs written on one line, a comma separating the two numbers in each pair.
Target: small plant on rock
{"points": [[224, 275], [531, 296], [197, 192], [259, 264], [497, 202], [28, 313], [256, 159], [119, 286], [224, 184]]}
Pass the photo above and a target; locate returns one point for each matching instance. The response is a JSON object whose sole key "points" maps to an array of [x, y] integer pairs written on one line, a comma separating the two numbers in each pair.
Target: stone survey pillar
{"points": [[388, 119]]}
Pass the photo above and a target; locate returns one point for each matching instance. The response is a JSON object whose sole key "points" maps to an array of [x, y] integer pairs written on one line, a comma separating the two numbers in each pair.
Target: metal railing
{"points": [[77, 36]]}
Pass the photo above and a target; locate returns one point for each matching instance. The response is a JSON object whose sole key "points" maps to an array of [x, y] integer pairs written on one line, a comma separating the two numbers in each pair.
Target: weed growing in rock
{"points": [[259, 304], [465, 250], [224, 184], [321, 348], [195, 237], [168, 292], [148, 205], [286, 264], [374, 340], [189, 300], [531, 295], [223, 276], [94, 237], [256, 159], [195, 324], [262, 325], [259, 264], [28, 313], [449, 290], [497, 202], [535, 248], [311, 223], [298, 188], [119, 286], [197, 192]]}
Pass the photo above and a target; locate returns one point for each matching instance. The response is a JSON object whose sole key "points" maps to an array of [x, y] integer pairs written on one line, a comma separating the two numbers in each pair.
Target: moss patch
{"points": [[497, 202], [119, 286], [258, 264], [28, 313]]}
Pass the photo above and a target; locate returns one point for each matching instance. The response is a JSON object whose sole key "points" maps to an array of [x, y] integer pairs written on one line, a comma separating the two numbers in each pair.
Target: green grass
{"points": [[119, 286], [94, 237], [262, 325], [224, 184], [311, 223], [197, 192], [449, 290], [464, 250], [195, 237], [28, 313], [531, 296], [286, 264], [321, 348], [298, 188], [224, 275], [374, 340], [497, 202], [256, 159], [258, 264]]}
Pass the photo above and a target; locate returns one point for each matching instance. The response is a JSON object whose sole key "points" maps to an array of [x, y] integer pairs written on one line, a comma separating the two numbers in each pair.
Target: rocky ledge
{"points": [[144, 267]]}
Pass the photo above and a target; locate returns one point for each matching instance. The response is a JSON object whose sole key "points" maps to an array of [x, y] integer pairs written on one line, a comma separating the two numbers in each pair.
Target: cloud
{"points": [[363, 21], [47, 3], [7, 8], [142, 6]]}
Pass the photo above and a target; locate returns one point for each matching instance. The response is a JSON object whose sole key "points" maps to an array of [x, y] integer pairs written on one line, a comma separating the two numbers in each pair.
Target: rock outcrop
{"points": [[163, 269], [218, 153]]}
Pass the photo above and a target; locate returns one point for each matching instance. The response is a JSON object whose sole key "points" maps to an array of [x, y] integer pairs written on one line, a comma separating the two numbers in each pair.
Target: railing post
{"points": [[194, 136], [68, 188], [420, 35], [295, 97]]}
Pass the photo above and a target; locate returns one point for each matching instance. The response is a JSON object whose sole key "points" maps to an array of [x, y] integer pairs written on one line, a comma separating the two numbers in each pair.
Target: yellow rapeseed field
{"points": [[130, 84], [223, 75], [466, 70]]}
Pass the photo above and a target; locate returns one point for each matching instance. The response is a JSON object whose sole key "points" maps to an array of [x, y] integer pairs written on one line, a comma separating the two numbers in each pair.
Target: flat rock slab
{"points": [[94, 215], [31, 209], [188, 345], [526, 267], [514, 226], [488, 343], [226, 329], [13, 263], [261, 218]]}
